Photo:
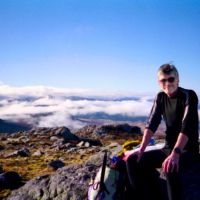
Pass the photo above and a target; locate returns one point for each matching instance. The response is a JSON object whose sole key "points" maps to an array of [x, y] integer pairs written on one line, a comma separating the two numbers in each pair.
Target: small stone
{"points": [[38, 153], [55, 164], [87, 144], [80, 144], [53, 138], [23, 152], [1, 148]]}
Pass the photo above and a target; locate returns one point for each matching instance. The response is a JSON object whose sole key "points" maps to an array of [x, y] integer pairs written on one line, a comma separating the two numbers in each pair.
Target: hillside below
{"points": [[57, 163]]}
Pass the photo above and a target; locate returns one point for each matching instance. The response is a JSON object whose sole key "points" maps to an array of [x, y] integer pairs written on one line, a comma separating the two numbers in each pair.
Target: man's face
{"points": [[168, 83]]}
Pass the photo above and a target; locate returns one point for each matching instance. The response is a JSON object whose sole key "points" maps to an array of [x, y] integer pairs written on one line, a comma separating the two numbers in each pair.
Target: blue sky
{"points": [[107, 45]]}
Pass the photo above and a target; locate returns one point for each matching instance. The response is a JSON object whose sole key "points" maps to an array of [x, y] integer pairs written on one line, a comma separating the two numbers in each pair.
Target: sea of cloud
{"points": [[50, 107]]}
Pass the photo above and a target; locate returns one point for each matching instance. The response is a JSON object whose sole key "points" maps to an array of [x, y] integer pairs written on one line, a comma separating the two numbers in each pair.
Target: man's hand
{"points": [[145, 140], [139, 154], [171, 163]]}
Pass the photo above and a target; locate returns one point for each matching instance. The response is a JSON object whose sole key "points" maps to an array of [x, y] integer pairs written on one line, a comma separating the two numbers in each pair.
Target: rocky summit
{"points": [[30, 160], [54, 163]]}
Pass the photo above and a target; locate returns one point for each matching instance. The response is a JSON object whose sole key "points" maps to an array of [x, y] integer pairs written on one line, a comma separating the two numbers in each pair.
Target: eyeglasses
{"points": [[170, 80]]}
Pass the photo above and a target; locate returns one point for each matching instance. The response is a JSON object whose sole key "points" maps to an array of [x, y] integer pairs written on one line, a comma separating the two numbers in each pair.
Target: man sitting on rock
{"points": [[179, 109]]}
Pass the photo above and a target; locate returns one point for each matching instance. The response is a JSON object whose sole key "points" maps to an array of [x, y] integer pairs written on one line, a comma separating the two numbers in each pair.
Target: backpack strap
{"points": [[102, 184]]}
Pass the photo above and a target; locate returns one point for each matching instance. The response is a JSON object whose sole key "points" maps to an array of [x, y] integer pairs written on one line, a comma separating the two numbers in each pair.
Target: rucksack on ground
{"points": [[108, 183]]}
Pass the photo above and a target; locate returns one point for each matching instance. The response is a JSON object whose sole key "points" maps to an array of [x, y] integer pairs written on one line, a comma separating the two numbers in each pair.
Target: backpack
{"points": [[108, 183]]}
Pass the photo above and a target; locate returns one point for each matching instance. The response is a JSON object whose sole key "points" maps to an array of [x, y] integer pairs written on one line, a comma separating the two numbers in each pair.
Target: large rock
{"points": [[69, 182], [94, 131], [10, 180], [116, 129], [66, 134], [129, 129], [87, 132]]}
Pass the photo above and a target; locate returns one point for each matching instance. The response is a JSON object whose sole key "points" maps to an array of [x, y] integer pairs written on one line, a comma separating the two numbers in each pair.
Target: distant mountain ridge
{"points": [[114, 117], [12, 127], [31, 98]]}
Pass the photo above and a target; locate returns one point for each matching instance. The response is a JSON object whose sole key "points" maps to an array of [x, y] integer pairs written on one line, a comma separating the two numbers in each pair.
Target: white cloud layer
{"points": [[48, 106]]}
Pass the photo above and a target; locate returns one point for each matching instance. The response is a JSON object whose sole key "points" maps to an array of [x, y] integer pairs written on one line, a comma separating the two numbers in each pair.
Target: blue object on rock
{"points": [[115, 159], [152, 141]]}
